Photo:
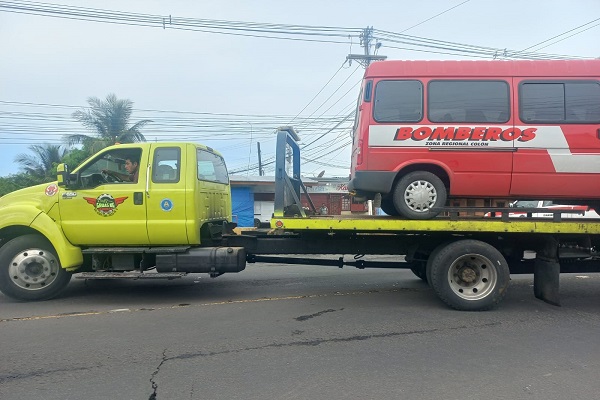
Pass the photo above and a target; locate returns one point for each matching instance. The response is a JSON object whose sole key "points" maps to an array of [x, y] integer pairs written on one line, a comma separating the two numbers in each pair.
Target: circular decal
{"points": [[105, 204], [51, 190], [166, 204]]}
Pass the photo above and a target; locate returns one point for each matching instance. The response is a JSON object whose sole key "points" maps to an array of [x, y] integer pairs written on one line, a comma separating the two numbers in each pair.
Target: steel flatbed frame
{"points": [[293, 232]]}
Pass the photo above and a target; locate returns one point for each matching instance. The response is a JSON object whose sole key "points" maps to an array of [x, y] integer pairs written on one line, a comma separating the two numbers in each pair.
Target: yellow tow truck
{"points": [[172, 217]]}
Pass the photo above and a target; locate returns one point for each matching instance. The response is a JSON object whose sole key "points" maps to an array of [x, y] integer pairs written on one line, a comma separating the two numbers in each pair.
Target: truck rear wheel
{"points": [[419, 270], [30, 270], [469, 275], [430, 259], [417, 193]]}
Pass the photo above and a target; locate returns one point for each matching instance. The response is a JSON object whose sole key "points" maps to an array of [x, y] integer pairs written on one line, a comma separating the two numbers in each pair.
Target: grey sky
{"points": [[264, 82]]}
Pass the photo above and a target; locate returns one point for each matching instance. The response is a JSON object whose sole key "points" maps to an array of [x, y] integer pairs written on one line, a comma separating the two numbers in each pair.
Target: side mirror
{"points": [[66, 179], [62, 175]]}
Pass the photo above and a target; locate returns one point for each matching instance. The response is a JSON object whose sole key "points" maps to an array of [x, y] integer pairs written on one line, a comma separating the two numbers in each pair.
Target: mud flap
{"points": [[546, 273], [546, 281]]}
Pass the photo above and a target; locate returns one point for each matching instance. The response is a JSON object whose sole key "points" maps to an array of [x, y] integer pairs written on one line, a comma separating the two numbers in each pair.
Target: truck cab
{"points": [[102, 217], [179, 188]]}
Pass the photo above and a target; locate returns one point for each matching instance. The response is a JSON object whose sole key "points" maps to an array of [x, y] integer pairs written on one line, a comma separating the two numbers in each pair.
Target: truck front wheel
{"points": [[30, 270], [469, 275]]}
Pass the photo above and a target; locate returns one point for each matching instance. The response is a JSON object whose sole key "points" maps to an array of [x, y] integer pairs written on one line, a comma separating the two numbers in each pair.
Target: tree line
{"points": [[108, 121]]}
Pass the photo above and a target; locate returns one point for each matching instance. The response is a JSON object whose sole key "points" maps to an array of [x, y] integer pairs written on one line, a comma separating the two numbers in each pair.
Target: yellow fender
{"points": [[70, 256]]}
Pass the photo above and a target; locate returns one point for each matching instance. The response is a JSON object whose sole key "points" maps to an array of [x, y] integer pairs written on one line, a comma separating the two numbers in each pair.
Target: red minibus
{"points": [[429, 130]]}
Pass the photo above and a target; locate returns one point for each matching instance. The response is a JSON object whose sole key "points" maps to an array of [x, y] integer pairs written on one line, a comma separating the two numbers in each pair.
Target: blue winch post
{"points": [[287, 188]]}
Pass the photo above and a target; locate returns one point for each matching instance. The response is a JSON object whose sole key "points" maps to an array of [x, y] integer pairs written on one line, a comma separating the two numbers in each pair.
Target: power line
{"points": [[455, 48], [319, 92], [435, 16], [564, 33], [255, 29], [249, 29]]}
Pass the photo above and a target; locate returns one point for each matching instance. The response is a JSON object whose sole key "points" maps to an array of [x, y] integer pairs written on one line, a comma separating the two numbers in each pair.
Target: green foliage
{"points": [[109, 120], [32, 177], [43, 161], [14, 182], [72, 158]]}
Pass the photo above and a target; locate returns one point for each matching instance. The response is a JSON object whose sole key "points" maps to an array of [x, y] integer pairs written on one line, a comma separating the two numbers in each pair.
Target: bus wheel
{"points": [[30, 270], [469, 275], [387, 205], [417, 193]]}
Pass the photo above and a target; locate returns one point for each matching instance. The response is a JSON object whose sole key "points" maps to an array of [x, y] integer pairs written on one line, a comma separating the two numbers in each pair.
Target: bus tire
{"points": [[469, 275], [387, 205], [30, 269], [417, 193]]}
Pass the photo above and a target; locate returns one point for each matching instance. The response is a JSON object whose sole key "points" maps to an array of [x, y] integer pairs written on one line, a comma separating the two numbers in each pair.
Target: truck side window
{"points": [[211, 167], [110, 167], [165, 168]]}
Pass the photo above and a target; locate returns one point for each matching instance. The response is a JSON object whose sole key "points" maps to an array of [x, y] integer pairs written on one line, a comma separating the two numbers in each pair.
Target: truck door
{"points": [[107, 207], [166, 205]]}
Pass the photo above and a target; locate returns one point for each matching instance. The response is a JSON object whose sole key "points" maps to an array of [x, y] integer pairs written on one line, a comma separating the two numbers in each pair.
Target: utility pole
{"points": [[365, 41], [260, 169]]}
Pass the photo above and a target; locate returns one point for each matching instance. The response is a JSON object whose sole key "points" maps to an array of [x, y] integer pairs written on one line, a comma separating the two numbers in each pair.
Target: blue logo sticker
{"points": [[166, 204]]}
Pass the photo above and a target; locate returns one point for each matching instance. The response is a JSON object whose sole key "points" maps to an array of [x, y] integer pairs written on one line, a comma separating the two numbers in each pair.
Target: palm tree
{"points": [[109, 119], [41, 163]]}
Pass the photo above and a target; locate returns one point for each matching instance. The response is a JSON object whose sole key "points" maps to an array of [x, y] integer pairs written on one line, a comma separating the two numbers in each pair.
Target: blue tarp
{"points": [[242, 204]]}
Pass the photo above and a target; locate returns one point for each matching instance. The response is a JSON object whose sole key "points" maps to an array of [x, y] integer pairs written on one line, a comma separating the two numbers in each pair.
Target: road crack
{"points": [[318, 314], [318, 342], [152, 378]]}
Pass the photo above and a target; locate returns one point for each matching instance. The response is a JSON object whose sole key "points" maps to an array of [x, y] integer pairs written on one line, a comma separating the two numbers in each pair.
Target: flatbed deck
{"points": [[371, 223]]}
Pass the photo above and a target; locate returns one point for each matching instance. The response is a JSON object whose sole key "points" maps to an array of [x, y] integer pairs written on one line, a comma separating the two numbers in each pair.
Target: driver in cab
{"points": [[132, 166]]}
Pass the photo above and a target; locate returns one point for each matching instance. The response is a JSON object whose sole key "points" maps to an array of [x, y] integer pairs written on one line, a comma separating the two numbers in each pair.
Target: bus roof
{"points": [[491, 68]]}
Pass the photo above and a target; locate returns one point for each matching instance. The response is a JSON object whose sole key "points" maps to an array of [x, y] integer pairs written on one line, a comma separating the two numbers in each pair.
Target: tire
{"points": [[30, 269], [419, 271], [469, 275], [417, 193], [387, 205], [430, 259], [256, 223]]}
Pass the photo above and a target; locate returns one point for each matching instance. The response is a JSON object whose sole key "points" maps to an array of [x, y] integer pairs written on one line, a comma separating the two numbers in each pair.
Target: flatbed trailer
{"points": [[71, 226], [467, 261]]}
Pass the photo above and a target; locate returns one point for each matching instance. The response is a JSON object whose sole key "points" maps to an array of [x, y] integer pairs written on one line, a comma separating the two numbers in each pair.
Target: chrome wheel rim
{"points": [[472, 277], [420, 196], [33, 269]]}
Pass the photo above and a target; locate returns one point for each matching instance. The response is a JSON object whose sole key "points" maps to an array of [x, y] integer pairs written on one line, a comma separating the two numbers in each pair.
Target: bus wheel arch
{"points": [[418, 188]]}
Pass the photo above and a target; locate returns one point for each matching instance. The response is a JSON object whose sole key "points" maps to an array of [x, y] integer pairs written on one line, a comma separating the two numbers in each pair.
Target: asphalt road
{"points": [[299, 332]]}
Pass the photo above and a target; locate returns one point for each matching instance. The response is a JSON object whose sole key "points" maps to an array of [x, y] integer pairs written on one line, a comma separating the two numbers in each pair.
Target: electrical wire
{"points": [[564, 33]]}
